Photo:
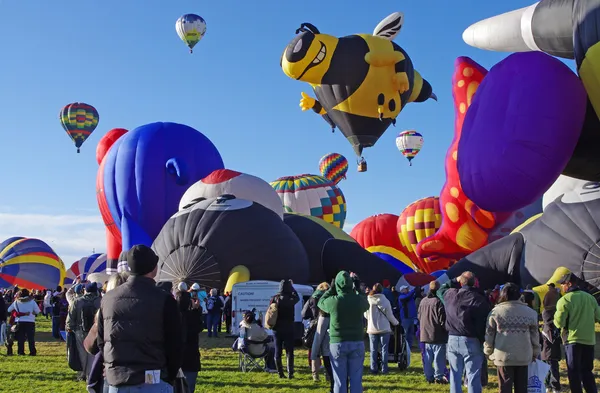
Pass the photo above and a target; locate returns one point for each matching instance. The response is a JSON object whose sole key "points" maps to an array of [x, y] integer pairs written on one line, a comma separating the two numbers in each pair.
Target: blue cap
{"points": [[91, 287], [78, 288]]}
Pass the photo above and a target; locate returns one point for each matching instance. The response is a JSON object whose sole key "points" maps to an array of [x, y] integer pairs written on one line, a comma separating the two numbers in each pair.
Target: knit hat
{"points": [[182, 287], [385, 283], [92, 287], [141, 260]]}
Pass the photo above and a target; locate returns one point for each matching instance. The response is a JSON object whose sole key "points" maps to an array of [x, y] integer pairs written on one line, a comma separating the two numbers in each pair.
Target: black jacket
{"points": [[139, 329], [192, 326], [2, 311], [466, 311], [286, 299], [432, 320]]}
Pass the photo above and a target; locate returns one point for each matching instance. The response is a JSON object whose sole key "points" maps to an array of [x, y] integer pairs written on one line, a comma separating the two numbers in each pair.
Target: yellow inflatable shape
{"points": [[238, 274], [397, 254], [527, 222], [590, 75], [542, 290]]}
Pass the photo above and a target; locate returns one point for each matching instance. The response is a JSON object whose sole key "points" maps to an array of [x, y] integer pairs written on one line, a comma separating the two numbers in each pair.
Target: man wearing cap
{"points": [[139, 330], [576, 313], [80, 319]]}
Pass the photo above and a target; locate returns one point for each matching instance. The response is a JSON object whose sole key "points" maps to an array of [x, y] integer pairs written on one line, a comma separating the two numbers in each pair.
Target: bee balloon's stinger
{"points": [[308, 27]]}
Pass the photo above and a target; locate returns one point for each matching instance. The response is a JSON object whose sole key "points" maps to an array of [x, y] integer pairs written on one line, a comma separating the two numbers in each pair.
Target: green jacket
{"points": [[576, 312], [346, 308]]}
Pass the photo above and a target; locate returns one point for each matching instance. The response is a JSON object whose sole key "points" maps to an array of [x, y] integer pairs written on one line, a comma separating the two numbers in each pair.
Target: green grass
{"points": [[48, 372]]}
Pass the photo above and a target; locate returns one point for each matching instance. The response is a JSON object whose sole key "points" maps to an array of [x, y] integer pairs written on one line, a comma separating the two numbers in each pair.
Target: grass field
{"points": [[48, 372]]}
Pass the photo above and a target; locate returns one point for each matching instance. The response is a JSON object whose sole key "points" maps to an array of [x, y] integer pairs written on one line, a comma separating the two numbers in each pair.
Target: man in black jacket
{"points": [[466, 315], [432, 320], [140, 330], [286, 300]]}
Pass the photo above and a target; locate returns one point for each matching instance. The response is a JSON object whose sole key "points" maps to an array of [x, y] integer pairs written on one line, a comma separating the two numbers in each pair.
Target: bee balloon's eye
{"points": [[591, 185], [298, 46]]}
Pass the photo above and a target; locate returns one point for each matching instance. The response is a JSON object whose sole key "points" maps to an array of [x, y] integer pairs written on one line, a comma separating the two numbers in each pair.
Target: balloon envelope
{"points": [[95, 263], [79, 120], [333, 167], [190, 28]]}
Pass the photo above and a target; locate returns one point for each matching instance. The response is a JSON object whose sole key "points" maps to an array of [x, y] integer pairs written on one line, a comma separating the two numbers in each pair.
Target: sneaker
{"points": [[270, 370], [442, 381]]}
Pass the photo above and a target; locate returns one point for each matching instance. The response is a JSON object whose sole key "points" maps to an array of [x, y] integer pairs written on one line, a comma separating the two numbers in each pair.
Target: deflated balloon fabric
{"points": [[520, 131]]}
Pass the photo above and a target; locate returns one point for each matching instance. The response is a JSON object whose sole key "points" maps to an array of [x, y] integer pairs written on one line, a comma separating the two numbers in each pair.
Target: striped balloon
{"points": [[79, 121], [95, 263], [409, 143], [333, 167], [29, 263]]}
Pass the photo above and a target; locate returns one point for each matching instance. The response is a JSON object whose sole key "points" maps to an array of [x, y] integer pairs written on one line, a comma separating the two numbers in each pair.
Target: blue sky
{"points": [[125, 58]]}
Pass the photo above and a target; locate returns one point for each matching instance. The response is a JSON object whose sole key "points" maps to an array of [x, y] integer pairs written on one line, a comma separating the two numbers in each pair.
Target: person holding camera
{"points": [[346, 305]]}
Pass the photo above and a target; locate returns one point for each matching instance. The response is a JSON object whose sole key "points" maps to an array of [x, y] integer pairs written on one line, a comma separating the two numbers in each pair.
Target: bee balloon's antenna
{"points": [[308, 27]]}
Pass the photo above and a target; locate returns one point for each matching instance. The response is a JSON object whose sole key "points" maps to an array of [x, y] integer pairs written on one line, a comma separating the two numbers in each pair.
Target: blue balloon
{"points": [[146, 172]]}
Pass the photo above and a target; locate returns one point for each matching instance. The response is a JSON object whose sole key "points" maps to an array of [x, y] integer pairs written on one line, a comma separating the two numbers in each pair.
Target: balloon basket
{"points": [[78, 150], [362, 167]]}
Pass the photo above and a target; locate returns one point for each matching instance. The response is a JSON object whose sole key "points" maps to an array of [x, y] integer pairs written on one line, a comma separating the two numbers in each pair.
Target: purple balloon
{"points": [[520, 131]]}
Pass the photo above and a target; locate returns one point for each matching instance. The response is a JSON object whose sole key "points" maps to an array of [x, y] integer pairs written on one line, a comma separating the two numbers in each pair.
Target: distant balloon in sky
{"points": [[333, 167], [79, 121], [410, 144], [190, 28]]}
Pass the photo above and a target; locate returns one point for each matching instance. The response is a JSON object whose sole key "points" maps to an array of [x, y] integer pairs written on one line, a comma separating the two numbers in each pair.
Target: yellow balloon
{"points": [[527, 222], [238, 274], [542, 290]]}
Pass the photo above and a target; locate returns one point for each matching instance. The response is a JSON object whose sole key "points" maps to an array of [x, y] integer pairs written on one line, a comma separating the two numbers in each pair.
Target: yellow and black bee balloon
{"points": [[361, 81]]}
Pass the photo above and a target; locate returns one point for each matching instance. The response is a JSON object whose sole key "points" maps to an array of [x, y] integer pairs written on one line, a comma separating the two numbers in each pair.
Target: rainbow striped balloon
{"points": [[410, 144], [333, 167]]}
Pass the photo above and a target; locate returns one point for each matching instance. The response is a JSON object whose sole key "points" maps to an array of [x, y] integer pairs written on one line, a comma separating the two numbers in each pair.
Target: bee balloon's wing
{"points": [[390, 26]]}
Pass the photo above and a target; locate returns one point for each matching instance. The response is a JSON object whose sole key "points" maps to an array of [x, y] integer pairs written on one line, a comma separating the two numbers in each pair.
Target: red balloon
{"points": [[107, 141]]}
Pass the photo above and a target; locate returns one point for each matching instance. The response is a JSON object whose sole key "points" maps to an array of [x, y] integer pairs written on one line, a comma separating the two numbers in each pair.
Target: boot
{"points": [[328, 372], [290, 365], [279, 367], [315, 366]]}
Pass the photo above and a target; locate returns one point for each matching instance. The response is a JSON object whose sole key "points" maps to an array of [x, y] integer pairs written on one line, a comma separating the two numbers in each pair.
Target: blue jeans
{"points": [[212, 320], [347, 360], [191, 377], [161, 387], [408, 324], [464, 353], [379, 341], [435, 354], [55, 327]]}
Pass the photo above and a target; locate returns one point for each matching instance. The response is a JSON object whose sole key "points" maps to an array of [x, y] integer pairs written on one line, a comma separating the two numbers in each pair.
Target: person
{"points": [[551, 344], [387, 291], [576, 313], [512, 339], [467, 309], [3, 316], [408, 312], [494, 295], [192, 326], [433, 333], [26, 309], [536, 303], [258, 334], [227, 311], [95, 381], [48, 304], [286, 300], [346, 304], [213, 317], [139, 330], [80, 319], [320, 345], [379, 317]]}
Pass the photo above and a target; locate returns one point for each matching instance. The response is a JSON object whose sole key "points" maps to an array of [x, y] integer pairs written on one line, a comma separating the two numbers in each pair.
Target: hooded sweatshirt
{"points": [[577, 311], [345, 307], [286, 299], [380, 316], [25, 306]]}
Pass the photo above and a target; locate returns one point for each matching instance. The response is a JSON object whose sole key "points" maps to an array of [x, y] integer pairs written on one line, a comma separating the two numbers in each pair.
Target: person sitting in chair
{"points": [[257, 340]]}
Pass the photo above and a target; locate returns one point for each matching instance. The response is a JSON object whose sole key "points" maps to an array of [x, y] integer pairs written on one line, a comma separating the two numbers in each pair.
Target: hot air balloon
{"points": [[79, 121], [360, 89], [95, 263], [190, 28], [241, 185], [377, 234], [29, 263], [195, 245], [333, 167], [312, 195], [409, 143]]}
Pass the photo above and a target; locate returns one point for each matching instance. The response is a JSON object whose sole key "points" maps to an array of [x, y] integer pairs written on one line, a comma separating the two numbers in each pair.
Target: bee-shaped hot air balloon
{"points": [[79, 121], [361, 81]]}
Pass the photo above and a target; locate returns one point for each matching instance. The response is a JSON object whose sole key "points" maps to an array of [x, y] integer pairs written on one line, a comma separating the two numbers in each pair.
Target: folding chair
{"points": [[249, 362]]}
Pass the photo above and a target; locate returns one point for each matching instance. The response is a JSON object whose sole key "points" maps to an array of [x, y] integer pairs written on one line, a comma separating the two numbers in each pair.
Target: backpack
{"points": [[88, 314], [271, 316], [210, 303], [307, 311], [309, 334]]}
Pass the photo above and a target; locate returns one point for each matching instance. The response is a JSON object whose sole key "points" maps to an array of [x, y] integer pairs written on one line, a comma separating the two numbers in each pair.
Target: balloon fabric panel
{"points": [[465, 226]]}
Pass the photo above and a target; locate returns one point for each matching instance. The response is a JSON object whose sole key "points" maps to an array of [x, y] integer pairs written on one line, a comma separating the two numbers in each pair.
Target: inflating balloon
{"points": [[312, 195], [418, 221], [464, 226], [512, 221], [29, 263], [241, 185], [333, 167], [409, 143], [95, 263], [510, 154], [190, 28], [79, 121], [361, 81], [143, 177], [195, 245], [377, 234], [107, 141]]}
